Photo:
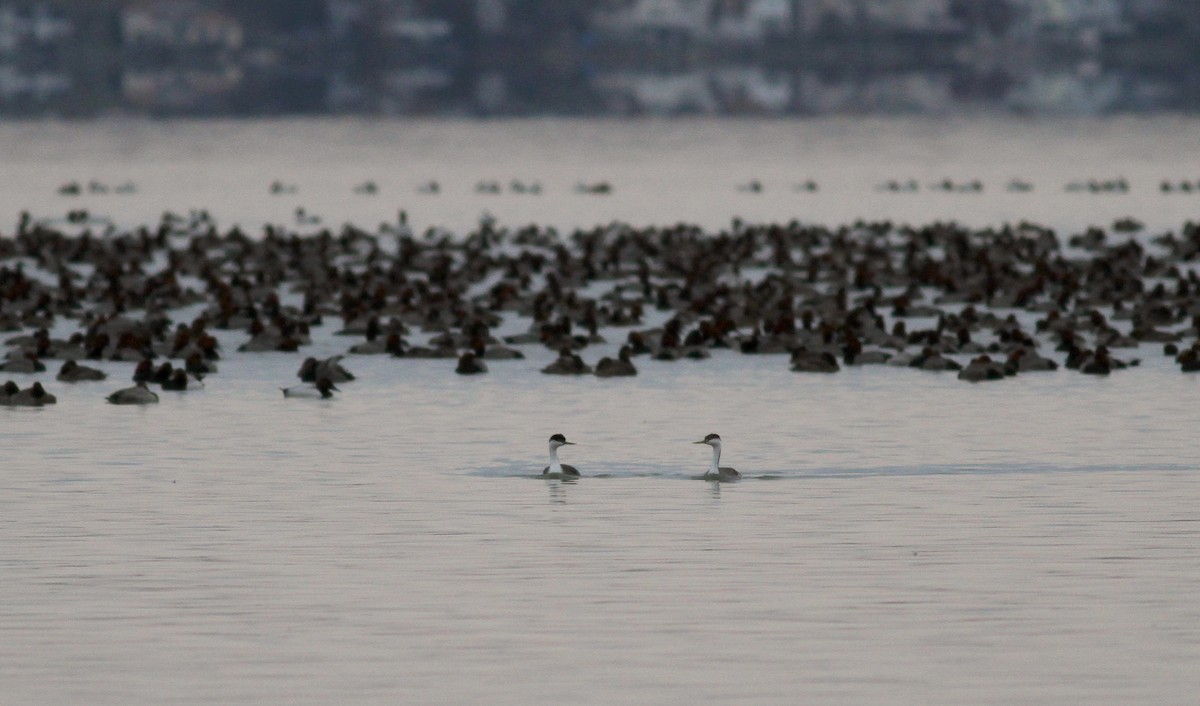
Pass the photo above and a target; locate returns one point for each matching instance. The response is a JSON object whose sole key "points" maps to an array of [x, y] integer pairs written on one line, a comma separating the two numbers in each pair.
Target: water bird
{"points": [[138, 394], [180, 381], [312, 370], [806, 361], [568, 363], [496, 352], [1129, 224], [468, 364], [556, 468], [715, 470], [599, 188], [984, 368], [1189, 360], [367, 188], [323, 388], [33, 396], [26, 362], [74, 372], [304, 218], [7, 390], [198, 366], [929, 359], [621, 367], [519, 187], [896, 186]]}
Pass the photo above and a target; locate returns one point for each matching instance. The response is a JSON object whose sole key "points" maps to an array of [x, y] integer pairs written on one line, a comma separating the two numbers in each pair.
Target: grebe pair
{"points": [[715, 470]]}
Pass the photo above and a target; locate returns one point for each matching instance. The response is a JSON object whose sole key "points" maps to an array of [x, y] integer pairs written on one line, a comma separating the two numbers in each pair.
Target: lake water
{"points": [[900, 537]]}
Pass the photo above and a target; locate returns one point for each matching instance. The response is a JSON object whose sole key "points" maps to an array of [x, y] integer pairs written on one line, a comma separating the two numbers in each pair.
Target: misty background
{"points": [[84, 58]]}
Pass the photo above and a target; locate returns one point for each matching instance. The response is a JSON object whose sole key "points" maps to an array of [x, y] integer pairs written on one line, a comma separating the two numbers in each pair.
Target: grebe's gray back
{"points": [[715, 470], [556, 468]]}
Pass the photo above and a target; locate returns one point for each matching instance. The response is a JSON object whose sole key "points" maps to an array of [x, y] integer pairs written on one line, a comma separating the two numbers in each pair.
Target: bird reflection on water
{"points": [[558, 490]]}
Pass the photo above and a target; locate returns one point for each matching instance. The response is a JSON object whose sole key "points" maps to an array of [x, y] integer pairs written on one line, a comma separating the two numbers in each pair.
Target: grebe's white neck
{"points": [[555, 466], [715, 468]]}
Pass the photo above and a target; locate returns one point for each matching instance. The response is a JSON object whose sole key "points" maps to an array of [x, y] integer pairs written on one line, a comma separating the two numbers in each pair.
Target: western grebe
{"points": [[555, 468], [715, 470]]}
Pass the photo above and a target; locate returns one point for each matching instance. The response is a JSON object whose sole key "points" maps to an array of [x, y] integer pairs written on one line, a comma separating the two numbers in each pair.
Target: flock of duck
{"points": [[823, 298], [432, 187]]}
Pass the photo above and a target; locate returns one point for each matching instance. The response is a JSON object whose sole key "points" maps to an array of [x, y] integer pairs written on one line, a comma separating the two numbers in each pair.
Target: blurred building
{"points": [[587, 57], [33, 40], [181, 56]]}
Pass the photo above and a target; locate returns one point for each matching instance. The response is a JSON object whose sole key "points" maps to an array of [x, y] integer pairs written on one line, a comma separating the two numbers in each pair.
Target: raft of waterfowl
{"points": [[828, 298]]}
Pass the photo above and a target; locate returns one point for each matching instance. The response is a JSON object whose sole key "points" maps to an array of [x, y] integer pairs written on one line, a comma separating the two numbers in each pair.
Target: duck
{"points": [[557, 469], [469, 364], [138, 394], [983, 368], [496, 352], [74, 372], [180, 381], [9, 389], [930, 359], [322, 388], [715, 470], [621, 367], [426, 352], [806, 361], [1026, 360], [312, 370], [198, 366], [1189, 360], [33, 396], [568, 363], [25, 363]]}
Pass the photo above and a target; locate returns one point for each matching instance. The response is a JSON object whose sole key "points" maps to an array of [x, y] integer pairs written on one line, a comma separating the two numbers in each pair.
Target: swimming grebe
{"points": [[556, 468], [715, 470]]}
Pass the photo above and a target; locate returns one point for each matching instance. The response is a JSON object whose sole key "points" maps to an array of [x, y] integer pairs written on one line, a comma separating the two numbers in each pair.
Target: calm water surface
{"points": [[901, 537]]}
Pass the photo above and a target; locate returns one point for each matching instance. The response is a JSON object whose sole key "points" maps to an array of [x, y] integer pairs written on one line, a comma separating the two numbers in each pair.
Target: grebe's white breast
{"points": [[715, 470], [557, 469]]}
